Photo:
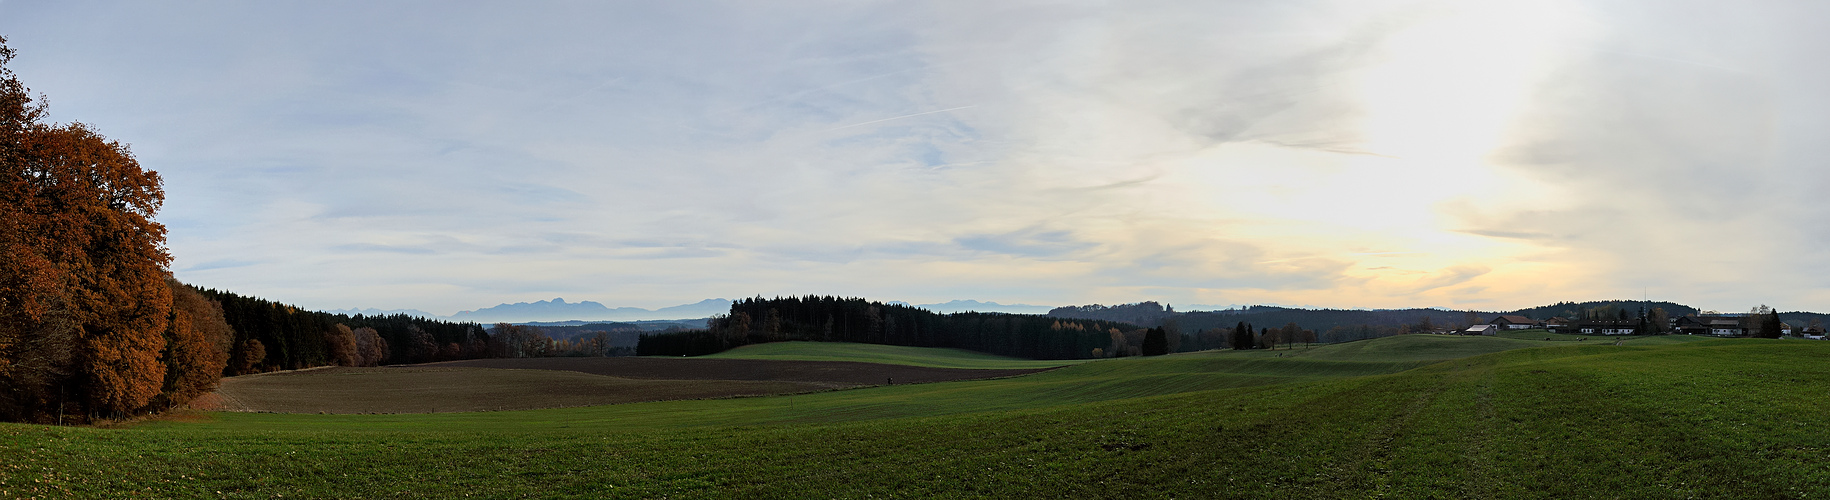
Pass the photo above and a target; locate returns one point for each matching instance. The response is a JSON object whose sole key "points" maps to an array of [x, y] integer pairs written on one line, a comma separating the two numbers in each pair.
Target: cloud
{"points": [[1447, 278], [1032, 242], [1221, 152], [220, 264]]}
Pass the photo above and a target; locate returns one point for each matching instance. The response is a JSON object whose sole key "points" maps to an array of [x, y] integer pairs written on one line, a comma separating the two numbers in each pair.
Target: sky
{"points": [[449, 155]]}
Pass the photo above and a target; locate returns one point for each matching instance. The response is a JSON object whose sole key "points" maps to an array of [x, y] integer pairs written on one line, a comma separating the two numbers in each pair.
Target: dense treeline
{"points": [[834, 319], [1324, 319], [594, 339], [273, 336], [91, 324], [1603, 309], [1147, 313], [1338, 325]]}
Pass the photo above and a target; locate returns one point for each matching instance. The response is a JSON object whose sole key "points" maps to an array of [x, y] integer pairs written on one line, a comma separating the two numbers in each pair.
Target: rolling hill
{"points": [[1413, 416]]}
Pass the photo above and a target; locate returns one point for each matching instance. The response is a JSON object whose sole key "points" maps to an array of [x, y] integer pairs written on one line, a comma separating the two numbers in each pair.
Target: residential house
{"points": [[1556, 323], [1720, 326], [1512, 322], [1601, 327]]}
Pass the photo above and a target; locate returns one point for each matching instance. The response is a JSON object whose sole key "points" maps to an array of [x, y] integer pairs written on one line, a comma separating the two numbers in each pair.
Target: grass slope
{"points": [[1722, 418], [1642, 340], [1417, 348], [447, 389], [889, 354]]}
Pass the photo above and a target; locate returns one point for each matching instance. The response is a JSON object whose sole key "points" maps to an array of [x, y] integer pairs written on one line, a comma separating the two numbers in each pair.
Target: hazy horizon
{"points": [[1348, 154]]}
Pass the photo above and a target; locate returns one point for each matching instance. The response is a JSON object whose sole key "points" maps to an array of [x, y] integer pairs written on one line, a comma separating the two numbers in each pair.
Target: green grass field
{"points": [[1637, 340], [889, 354], [1398, 417]]}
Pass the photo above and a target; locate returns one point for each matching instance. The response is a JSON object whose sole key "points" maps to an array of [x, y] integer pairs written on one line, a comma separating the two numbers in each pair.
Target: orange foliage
{"points": [[86, 312], [197, 345], [371, 349], [248, 357], [341, 342]]}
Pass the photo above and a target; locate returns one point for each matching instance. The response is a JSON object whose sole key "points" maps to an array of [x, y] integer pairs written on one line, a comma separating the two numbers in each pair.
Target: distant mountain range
{"points": [[560, 310]]}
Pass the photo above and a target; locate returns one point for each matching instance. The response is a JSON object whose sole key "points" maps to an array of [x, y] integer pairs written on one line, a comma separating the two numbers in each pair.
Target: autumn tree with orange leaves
{"points": [[88, 326], [197, 344]]}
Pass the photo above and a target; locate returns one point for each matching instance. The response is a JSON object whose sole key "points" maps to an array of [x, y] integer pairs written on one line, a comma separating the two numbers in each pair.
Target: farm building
{"points": [[1602, 327], [1482, 330], [1513, 322], [1720, 326]]}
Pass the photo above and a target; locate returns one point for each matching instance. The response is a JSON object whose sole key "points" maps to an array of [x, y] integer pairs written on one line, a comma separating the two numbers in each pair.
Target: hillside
{"points": [[878, 353], [1711, 418], [1418, 348]]}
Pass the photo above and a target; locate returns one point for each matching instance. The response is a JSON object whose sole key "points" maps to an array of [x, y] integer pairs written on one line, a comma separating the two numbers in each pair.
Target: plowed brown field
{"points": [[532, 383], [828, 373]]}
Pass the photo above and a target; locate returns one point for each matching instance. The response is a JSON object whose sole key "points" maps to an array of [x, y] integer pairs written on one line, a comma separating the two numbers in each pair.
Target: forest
{"points": [[834, 319], [272, 336]]}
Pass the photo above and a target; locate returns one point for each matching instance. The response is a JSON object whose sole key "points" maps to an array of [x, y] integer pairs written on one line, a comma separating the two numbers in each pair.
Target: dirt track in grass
{"points": [[532, 383]]}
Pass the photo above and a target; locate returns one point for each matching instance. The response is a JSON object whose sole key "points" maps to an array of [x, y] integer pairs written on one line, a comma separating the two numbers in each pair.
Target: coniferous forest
{"points": [[834, 319]]}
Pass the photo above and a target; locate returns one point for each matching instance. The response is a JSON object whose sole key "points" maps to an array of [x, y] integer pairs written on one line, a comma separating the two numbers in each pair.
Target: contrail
{"points": [[899, 117]]}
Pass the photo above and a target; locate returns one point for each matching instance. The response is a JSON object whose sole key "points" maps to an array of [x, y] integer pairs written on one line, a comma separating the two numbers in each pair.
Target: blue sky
{"points": [[454, 155]]}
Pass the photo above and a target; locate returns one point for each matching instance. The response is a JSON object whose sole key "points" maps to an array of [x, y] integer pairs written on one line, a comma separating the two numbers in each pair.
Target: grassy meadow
{"points": [[1410, 416], [888, 354]]}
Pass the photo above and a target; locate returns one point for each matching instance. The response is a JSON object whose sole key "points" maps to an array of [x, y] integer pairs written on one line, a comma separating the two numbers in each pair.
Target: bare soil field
{"points": [[533, 383], [827, 373], [449, 389]]}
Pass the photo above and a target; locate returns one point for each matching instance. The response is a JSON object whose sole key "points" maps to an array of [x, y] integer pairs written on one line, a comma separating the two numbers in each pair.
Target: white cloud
{"points": [[1341, 153]]}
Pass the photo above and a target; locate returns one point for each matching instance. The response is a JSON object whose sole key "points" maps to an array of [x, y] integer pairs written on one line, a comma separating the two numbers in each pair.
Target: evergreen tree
{"points": [[1242, 336], [1156, 342], [1770, 326]]}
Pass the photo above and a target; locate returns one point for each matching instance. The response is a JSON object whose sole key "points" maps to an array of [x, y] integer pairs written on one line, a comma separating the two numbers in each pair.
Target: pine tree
{"points": [[1770, 326], [1156, 342]]}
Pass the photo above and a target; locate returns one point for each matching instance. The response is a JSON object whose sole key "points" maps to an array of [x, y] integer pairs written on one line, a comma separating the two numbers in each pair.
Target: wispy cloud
{"points": [[1219, 152]]}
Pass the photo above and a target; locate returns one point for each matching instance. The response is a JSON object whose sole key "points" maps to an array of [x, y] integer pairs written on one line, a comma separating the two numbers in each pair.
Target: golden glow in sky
{"points": [[1433, 102], [1337, 153]]}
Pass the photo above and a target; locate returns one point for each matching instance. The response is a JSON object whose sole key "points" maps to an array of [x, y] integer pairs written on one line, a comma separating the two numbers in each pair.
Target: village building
{"points": [[1513, 322], [1608, 327], [1482, 330], [1720, 326], [1600, 327]]}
